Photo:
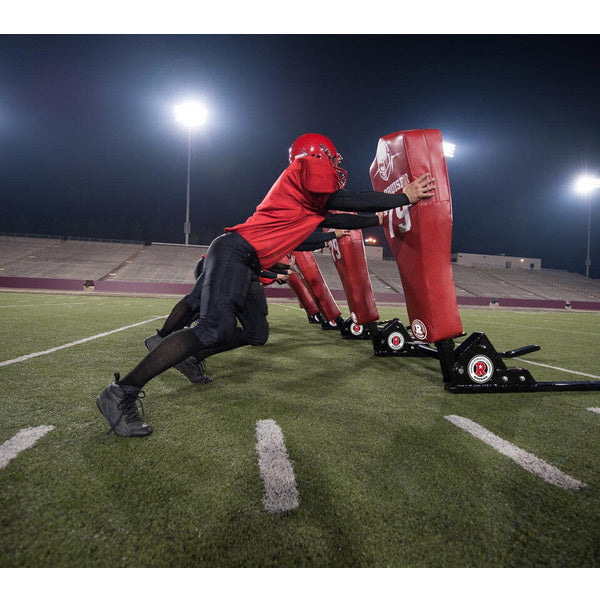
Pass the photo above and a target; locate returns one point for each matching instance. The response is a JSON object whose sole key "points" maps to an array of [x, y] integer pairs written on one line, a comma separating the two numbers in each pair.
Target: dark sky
{"points": [[89, 145]]}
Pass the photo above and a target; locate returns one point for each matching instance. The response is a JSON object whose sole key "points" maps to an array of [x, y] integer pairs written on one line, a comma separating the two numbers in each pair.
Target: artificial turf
{"points": [[384, 479]]}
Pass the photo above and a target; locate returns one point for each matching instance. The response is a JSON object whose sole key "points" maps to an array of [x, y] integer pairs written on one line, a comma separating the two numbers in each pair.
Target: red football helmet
{"points": [[315, 144]]}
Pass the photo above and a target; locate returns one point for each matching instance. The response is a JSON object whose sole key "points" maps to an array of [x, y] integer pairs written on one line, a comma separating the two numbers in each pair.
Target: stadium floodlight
{"points": [[191, 114], [584, 186], [449, 149]]}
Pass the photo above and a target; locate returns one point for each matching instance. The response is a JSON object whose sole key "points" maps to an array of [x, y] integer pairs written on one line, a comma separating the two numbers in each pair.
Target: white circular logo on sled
{"points": [[356, 329], [419, 329], [395, 341], [480, 369]]}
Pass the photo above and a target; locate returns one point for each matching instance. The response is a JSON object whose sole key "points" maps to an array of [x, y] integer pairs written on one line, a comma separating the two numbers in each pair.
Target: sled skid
{"points": [[519, 351], [479, 369]]}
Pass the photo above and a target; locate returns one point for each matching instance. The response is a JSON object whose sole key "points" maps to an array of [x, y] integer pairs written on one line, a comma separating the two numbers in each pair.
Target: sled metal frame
{"points": [[474, 367], [349, 330]]}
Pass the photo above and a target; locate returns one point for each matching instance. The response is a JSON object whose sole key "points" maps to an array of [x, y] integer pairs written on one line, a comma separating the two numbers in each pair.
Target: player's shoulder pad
{"points": [[318, 176]]}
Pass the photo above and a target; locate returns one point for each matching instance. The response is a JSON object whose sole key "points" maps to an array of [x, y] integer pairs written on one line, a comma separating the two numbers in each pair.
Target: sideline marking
{"points": [[276, 469], [22, 440], [524, 459], [531, 362], [495, 322], [75, 343], [594, 409]]}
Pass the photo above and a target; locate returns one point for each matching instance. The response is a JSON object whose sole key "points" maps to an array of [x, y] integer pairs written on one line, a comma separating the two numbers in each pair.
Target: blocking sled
{"points": [[420, 237]]}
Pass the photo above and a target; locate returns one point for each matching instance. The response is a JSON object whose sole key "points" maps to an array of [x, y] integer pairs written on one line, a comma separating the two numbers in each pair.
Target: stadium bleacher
{"points": [[161, 263], [61, 259], [56, 258]]}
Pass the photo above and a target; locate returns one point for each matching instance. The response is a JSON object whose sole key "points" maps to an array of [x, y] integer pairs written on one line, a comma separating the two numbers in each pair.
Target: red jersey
{"points": [[291, 211]]}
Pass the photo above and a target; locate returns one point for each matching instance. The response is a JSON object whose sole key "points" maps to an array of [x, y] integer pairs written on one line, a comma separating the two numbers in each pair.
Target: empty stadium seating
{"points": [[62, 259], [161, 263], [56, 258]]}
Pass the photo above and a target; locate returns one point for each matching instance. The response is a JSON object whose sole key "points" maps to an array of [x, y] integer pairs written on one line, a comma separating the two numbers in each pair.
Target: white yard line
{"points": [[524, 459], [594, 409], [523, 327], [557, 368], [41, 304], [276, 469], [96, 302], [76, 342], [22, 440]]}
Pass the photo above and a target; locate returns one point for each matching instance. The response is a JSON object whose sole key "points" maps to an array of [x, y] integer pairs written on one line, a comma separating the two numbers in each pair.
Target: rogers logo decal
{"points": [[480, 369], [419, 329], [356, 329], [395, 341]]}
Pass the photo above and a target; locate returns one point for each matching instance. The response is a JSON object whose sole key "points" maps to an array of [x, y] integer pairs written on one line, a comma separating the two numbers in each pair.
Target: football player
{"points": [[294, 207]]}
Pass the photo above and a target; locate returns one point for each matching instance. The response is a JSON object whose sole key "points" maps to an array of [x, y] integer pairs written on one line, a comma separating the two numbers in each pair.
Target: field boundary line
{"points": [[76, 342], [521, 326], [524, 459], [22, 440], [531, 362], [276, 471]]}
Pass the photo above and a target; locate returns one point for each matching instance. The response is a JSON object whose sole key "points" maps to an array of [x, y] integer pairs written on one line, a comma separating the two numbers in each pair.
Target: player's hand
{"points": [[341, 232], [421, 187], [380, 216]]}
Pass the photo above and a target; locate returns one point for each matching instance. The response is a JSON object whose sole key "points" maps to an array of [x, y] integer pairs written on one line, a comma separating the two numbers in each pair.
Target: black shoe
{"points": [[118, 405], [193, 369], [153, 341]]}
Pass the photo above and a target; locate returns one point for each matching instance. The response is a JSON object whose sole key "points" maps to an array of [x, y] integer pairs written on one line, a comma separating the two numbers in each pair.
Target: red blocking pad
{"points": [[420, 236], [313, 278], [304, 296], [348, 253]]}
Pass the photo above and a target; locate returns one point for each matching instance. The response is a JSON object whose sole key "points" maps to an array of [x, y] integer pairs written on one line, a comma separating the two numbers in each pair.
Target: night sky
{"points": [[89, 145]]}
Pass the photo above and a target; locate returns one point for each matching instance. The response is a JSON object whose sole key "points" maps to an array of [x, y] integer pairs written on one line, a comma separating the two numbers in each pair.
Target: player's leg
{"points": [[224, 292], [182, 315], [255, 328]]}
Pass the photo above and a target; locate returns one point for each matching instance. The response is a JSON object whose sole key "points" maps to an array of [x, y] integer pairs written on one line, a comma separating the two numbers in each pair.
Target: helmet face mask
{"points": [[317, 145]]}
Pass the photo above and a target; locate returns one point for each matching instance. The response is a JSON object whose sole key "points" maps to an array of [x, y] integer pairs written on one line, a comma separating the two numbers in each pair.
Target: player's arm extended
{"points": [[370, 201], [349, 221]]}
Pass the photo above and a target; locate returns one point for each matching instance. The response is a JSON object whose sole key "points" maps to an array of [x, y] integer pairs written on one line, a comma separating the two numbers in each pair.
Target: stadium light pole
{"points": [[191, 115], [584, 186]]}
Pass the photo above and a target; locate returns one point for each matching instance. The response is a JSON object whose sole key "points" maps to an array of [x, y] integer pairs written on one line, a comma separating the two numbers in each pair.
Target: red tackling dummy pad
{"points": [[313, 278], [420, 236], [304, 296], [348, 253]]}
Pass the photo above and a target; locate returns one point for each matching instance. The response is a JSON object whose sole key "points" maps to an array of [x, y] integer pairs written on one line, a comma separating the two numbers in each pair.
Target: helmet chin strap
{"points": [[329, 155], [341, 173], [342, 176]]}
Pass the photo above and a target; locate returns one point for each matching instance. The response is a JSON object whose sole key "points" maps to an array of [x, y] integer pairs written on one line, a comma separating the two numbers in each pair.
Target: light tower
{"points": [[190, 114]]}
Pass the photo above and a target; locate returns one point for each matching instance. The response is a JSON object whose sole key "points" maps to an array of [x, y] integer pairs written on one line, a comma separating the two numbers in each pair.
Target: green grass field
{"points": [[384, 479]]}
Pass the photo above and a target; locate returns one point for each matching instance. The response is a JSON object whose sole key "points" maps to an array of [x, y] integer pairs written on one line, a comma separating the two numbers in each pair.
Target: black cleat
{"points": [[191, 367], [153, 341], [117, 403]]}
